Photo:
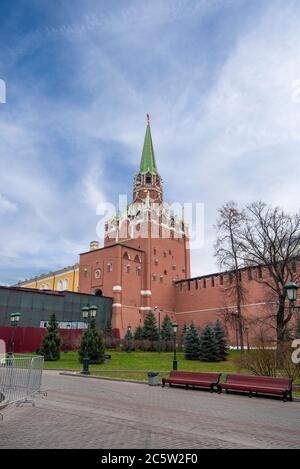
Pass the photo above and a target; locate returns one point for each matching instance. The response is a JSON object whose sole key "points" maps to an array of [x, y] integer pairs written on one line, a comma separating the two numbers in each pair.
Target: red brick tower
{"points": [[145, 251]]}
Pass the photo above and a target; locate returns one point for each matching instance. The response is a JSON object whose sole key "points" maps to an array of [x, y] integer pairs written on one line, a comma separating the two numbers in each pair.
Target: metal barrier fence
{"points": [[20, 379]]}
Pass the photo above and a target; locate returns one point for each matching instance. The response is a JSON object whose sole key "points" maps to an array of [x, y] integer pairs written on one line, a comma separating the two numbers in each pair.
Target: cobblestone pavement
{"points": [[91, 413]]}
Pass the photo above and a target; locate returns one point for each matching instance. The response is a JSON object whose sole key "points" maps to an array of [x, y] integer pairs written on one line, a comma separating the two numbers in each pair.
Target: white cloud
{"points": [[7, 205]]}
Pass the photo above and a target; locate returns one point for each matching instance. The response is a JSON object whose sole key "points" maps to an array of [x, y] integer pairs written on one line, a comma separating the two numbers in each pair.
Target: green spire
{"points": [[148, 163]]}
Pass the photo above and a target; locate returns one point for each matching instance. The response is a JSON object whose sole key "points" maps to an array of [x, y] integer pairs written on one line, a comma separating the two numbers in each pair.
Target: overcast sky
{"points": [[220, 78]]}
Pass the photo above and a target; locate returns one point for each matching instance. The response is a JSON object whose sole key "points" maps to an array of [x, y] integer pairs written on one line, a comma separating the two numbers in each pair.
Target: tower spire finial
{"points": [[148, 118]]}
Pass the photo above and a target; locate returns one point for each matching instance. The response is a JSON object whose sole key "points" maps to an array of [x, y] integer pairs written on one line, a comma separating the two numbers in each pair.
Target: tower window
{"points": [[165, 272], [161, 279], [153, 277], [259, 272], [127, 268], [148, 179], [97, 273], [138, 270], [109, 267]]}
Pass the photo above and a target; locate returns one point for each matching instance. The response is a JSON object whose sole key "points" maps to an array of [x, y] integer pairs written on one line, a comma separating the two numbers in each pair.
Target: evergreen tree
{"points": [[208, 345], [92, 344], [220, 336], [298, 329], [184, 333], [51, 343], [139, 333], [192, 343], [108, 329], [166, 330], [150, 329]]}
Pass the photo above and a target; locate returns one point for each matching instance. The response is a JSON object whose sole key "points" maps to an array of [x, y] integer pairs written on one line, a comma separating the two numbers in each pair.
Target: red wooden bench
{"points": [[259, 385], [193, 379]]}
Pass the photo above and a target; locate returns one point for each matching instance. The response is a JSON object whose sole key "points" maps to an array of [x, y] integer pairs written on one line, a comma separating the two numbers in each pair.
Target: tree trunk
{"points": [[239, 309], [281, 333]]}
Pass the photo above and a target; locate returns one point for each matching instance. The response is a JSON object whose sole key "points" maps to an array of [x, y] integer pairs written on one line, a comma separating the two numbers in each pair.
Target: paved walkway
{"points": [[90, 413]]}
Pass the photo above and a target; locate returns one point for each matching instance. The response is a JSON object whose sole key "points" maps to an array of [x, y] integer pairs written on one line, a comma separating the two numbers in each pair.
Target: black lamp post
{"points": [[157, 310], [14, 321], [130, 338], [88, 313], [247, 336], [175, 327]]}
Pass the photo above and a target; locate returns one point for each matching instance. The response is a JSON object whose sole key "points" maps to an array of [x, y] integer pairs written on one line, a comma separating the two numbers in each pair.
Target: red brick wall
{"points": [[207, 299]]}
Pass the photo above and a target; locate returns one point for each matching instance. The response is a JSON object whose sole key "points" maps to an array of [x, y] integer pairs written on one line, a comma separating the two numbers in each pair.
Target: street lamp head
{"points": [[15, 318], [175, 327], [291, 291], [85, 312], [93, 311]]}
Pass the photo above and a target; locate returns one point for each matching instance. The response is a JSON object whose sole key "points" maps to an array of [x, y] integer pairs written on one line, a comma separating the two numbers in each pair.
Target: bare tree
{"points": [[228, 251], [270, 239]]}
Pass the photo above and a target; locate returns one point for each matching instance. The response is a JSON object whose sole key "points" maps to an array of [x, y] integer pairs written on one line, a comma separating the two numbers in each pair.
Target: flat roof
{"points": [[48, 274], [50, 292]]}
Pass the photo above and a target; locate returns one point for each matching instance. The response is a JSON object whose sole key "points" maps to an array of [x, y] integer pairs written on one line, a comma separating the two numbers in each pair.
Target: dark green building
{"points": [[36, 307]]}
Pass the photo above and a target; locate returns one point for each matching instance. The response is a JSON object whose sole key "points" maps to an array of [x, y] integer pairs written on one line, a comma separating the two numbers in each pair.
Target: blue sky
{"points": [[221, 81]]}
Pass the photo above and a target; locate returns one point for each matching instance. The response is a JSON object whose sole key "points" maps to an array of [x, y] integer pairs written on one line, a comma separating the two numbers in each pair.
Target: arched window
{"points": [[126, 256], [60, 285], [98, 292], [137, 258], [97, 273], [65, 284], [165, 272]]}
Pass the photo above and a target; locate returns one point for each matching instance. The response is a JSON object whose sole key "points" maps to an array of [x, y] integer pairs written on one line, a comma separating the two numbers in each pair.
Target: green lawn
{"points": [[141, 362]]}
